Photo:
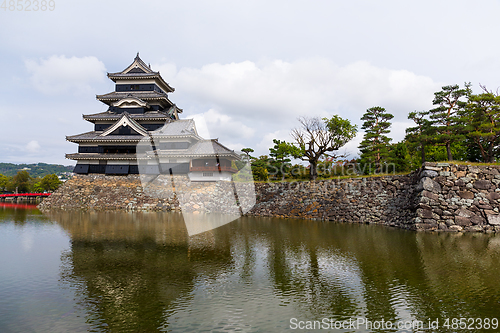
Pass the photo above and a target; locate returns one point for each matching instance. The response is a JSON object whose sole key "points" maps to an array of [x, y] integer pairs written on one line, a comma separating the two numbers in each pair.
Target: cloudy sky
{"points": [[245, 70]]}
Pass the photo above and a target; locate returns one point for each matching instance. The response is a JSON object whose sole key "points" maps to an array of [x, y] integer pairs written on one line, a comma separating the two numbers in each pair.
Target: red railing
{"points": [[212, 169]]}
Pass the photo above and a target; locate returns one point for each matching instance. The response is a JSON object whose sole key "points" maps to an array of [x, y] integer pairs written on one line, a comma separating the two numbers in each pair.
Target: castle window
{"points": [[134, 87], [208, 174]]}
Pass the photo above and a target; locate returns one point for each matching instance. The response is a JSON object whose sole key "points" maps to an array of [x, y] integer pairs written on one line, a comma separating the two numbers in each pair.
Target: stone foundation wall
{"points": [[385, 200], [458, 197], [100, 193], [439, 196], [157, 193]]}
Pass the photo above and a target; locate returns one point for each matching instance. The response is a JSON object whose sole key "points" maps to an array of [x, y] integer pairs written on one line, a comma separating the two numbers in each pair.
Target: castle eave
{"points": [[139, 76], [110, 116], [93, 156], [145, 96], [94, 136]]}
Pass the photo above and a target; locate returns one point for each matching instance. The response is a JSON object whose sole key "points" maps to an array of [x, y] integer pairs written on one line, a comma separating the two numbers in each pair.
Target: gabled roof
{"points": [[138, 66], [207, 147], [181, 127], [131, 101], [125, 120], [139, 70], [201, 148]]}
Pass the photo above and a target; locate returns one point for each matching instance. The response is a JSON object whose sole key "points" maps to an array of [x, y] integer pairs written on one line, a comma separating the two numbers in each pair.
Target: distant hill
{"points": [[36, 170]]}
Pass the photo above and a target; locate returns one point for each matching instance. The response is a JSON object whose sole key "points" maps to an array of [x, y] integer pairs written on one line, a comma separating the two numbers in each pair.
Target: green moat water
{"points": [[123, 272]]}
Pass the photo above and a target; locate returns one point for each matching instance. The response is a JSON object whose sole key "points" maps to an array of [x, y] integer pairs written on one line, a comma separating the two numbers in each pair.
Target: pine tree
{"points": [[247, 151], [420, 134], [482, 115], [280, 157], [446, 126], [374, 147]]}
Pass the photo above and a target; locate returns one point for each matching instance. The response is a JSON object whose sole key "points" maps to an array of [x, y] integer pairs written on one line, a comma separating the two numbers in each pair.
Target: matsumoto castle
{"points": [[141, 133]]}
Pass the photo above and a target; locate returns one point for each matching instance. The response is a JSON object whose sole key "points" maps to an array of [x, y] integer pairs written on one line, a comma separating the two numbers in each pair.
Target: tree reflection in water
{"points": [[19, 213], [141, 272]]}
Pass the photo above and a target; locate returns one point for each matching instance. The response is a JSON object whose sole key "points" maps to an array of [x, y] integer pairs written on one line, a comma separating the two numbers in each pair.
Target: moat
{"points": [[141, 272]]}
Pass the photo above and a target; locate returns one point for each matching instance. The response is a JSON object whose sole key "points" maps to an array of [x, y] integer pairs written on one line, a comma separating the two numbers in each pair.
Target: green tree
{"points": [[375, 145], [299, 171], [245, 158], [35, 170], [446, 126], [37, 187], [280, 154], [3, 182], [482, 116], [259, 168], [317, 138], [399, 157], [247, 151], [50, 183], [472, 153], [419, 135], [22, 181]]}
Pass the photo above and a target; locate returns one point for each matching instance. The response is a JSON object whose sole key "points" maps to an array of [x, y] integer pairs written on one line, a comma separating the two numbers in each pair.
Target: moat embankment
{"points": [[439, 196]]}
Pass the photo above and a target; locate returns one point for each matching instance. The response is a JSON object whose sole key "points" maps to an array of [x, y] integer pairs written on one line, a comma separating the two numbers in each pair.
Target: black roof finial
{"points": [[137, 56]]}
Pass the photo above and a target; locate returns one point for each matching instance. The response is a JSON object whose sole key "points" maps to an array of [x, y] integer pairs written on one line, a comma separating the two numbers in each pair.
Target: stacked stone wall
{"points": [[385, 200], [458, 197], [439, 196]]}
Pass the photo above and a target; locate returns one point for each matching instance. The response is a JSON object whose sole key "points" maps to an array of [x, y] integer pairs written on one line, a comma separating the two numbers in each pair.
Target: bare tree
{"points": [[318, 137]]}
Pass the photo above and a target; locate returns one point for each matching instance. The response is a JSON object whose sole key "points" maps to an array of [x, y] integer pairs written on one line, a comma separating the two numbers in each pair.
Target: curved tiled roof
{"points": [[144, 95], [97, 156], [95, 136], [107, 115], [202, 148], [181, 127]]}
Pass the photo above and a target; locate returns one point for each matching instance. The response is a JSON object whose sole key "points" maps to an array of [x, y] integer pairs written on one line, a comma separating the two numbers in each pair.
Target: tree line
{"points": [[461, 126], [35, 169], [23, 182]]}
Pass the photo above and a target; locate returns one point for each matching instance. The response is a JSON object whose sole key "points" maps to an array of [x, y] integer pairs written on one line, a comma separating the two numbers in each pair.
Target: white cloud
{"points": [[267, 140], [59, 74], [318, 87], [33, 146], [255, 102], [167, 70], [367, 54], [247, 104], [213, 124]]}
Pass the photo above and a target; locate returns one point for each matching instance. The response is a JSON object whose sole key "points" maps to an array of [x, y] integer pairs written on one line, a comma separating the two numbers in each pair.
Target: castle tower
{"points": [[139, 109]]}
